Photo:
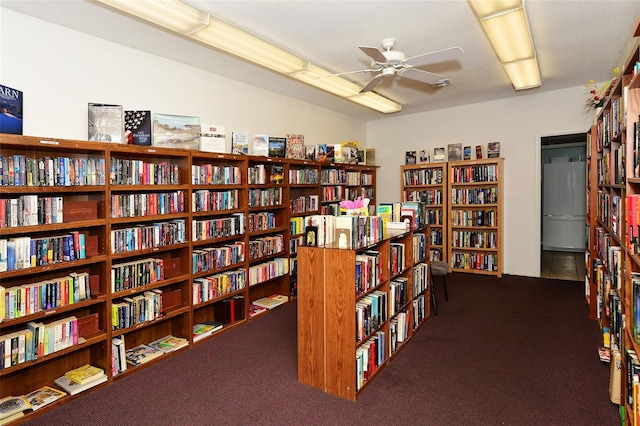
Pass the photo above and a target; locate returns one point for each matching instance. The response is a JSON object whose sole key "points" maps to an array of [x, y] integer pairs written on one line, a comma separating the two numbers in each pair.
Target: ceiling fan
{"points": [[389, 62]]}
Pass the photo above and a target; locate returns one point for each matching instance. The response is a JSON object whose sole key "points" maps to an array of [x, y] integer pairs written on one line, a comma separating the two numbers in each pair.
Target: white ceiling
{"points": [[576, 40]]}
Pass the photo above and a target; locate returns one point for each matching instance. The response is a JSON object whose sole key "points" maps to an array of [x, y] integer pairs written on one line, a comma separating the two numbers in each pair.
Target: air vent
{"points": [[443, 83]]}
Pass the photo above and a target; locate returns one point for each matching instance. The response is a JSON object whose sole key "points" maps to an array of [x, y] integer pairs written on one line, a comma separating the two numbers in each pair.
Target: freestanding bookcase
{"points": [[332, 298]]}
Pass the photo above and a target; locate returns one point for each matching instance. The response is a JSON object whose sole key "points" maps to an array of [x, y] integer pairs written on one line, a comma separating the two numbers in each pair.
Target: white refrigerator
{"points": [[564, 206]]}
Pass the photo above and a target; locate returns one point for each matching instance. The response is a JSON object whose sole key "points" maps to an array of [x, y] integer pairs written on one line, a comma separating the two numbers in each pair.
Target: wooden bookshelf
{"points": [[612, 280], [427, 183], [475, 216], [330, 299], [142, 210]]}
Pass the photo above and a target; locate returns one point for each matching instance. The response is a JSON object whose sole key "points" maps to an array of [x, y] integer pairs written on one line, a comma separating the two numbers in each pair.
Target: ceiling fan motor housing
{"points": [[394, 57]]}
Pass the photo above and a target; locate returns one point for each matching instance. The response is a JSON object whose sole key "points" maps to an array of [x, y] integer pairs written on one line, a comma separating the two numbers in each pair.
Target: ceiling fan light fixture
{"points": [[506, 25]]}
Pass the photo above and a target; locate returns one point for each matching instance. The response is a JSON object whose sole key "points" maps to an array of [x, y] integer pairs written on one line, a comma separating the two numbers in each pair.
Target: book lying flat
{"points": [[272, 301], [11, 405], [73, 388], [169, 343], [142, 354], [202, 330], [43, 396], [84, 374]]}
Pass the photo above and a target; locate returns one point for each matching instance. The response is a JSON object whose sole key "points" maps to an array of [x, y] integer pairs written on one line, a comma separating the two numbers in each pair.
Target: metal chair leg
{"points": [[444, 284]]}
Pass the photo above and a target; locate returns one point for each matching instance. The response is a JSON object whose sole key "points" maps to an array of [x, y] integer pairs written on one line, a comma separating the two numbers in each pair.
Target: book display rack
{"points": [[109, 247], [612, 255], [380, 292]]}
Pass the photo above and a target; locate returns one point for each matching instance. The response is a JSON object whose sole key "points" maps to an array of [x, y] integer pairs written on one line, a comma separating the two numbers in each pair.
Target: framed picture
{"points": [[311, 236]]}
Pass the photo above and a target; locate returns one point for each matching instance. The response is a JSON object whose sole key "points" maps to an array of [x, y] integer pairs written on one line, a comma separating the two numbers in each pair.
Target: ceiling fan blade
{"points": [[374, 53], [420, 75], [346, 72], [372, 83], [443, 55]]}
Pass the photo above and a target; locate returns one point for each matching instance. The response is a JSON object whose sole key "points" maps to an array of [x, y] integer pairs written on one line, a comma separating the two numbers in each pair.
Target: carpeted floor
{"points": [[510, 351]]}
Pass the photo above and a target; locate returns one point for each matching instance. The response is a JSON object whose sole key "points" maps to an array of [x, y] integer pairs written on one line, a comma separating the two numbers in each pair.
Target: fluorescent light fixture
{"points": [[172, 14], [506, 25], [186, 20]]}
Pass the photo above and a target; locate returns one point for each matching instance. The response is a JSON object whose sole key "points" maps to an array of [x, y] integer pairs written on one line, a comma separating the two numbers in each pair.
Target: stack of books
{"points": [[272, 301], [81, 378]]}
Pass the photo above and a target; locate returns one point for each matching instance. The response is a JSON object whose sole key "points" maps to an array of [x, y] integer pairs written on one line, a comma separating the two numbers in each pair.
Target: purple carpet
{"points": [[510, 351]]}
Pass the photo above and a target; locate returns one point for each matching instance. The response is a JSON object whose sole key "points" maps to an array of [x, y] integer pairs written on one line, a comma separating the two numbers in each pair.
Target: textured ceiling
{"points": [[575, 41]]}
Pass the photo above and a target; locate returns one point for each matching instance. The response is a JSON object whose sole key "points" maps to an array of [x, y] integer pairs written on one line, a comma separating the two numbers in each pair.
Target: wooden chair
{"points": [[438, 269]]}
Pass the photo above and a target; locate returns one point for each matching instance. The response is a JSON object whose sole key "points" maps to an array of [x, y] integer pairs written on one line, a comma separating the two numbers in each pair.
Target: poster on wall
{"points": [[11, 113]]}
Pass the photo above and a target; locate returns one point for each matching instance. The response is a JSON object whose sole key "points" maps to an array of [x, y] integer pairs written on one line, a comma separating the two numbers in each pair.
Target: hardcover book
{"points": [[212, 138], [73, 388], [137, 126], [410, 157], [141, 354], [438, 155], [169, 343], [272, 301], [479, 152], [202, 330], [240, 143], [277, 147], [11, 112], [260, 145], [43, 396], [466, 153], [176, 131], [493, 150], [295, 146], [454, 151], [106, 123]]}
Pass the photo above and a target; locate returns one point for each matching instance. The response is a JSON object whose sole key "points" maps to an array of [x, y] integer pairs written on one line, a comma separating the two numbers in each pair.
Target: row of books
{"points": [[136, 273], [332, 193], [419, 310], [397, 258], [304, 204], [482, 173], [398, 331], [212, 258], [422, 177], [371, 313], [137, 309], [211, 287], [20, 170], [474, 196], [206, 229], [398, 294], [204, 200], [474, 239], [474, 217], [419, 243], [333, 177], [368, 271], [355, 178], [266, 246], [420, 281], [358, 231], [369, 356], [37, 340], [145, 352], [474, 261], [268, 270], [126, 171], [212, 174], [27, 299], [265, 197], [159, 234], [27, 252], [147, 204], [262, 221], [304, 176], [429, 196], [31, 210]]}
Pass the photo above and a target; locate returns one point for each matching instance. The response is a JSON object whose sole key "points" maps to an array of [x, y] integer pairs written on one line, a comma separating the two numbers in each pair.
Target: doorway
{"points": [[563, 168]]}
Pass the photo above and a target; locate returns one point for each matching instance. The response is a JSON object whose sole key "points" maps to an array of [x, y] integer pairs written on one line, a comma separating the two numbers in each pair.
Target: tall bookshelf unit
{"points": [[427, 182], [612, 281], [334, 302], [99, 227], [475, 216]]}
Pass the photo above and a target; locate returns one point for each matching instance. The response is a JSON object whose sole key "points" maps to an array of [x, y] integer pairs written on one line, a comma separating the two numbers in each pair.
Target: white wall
{"points": [[60, 71], [518, 124]]}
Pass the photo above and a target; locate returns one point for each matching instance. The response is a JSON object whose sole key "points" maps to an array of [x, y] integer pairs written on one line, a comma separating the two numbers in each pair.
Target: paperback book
{"points": [[212, 138], [202, 330], [454, 151], [410, 157], [11, 112], [240, 143], [295, 146], [73, 388], [493, 149], [176, 131], [43, 396], [142, 354], [85, 374], [11, 405], [260, 145], [277, 147], [272, 301], [438, 155], [169, 343]]}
